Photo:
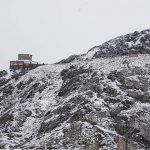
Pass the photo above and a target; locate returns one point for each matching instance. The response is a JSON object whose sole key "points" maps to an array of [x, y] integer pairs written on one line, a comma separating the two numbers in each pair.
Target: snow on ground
{"points": [[106, 65], [48, 97], [90, 54]]}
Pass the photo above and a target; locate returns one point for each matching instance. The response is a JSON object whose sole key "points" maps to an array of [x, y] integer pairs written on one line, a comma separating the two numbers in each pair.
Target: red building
{"points": [[24, 62]]}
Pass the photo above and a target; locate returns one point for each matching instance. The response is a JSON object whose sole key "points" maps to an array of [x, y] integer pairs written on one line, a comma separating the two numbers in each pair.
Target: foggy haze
{"points": [[52, 30]]}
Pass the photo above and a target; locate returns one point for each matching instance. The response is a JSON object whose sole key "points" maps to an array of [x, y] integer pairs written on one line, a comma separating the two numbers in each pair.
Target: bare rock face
{"points": [[124, 144], [131, 126], [3, 73]]}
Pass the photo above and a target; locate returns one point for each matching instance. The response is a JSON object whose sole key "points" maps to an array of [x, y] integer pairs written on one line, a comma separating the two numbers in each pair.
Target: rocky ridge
{"points": [[99, 104], [133, 43]]}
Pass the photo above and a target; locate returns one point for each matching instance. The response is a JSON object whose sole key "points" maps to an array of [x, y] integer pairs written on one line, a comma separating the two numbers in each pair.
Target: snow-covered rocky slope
{"points": [[96, 104], [135, 43]]}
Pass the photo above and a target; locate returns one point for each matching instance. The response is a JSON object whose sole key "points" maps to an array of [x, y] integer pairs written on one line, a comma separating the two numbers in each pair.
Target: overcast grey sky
{"points": [[54, 29]]}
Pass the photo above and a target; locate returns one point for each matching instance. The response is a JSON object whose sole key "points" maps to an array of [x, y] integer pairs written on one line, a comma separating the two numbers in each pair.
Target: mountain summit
{"points": [[95, 101], [133, 43]]}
